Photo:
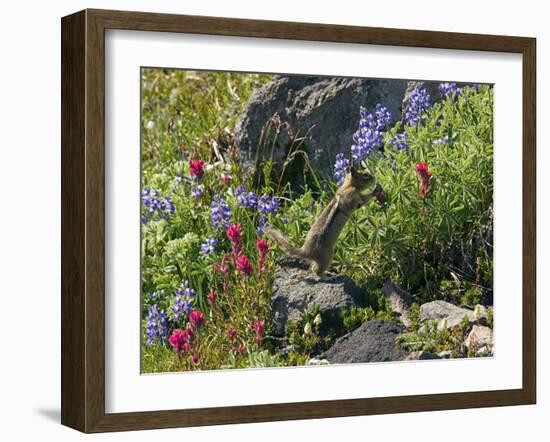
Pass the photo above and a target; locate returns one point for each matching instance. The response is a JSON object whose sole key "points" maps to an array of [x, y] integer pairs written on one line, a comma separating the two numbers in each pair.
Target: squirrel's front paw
{"points": [[379, 194]]}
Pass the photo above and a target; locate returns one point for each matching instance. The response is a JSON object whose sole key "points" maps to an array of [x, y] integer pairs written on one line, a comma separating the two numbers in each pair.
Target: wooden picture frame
{"points": [[83, 220]]}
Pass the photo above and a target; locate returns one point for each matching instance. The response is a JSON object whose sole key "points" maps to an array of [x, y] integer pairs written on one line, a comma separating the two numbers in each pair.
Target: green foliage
{"points": [[305, 337], [420, 242], [414, 316], [379, 307], [434, 337], [354, 316]]}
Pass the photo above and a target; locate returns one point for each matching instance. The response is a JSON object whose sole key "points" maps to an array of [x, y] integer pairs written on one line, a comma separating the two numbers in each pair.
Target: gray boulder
{"points": [[449, 315], [373, 341], [323, 110], [296, 289]]}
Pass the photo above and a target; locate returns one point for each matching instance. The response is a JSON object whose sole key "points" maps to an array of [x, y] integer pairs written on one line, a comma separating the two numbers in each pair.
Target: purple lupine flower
{"points": [[220, 213], [251, 200], [341, 166], [156, 296], [400, 141], [181, 305], [209, 245], [448, 90], [244, 199], [262, 223], [418, 104], [383, 116], [444, 140], [369, 135], [267, 204], [155, 206], [157, 326], [240, 192], [197, 192]]}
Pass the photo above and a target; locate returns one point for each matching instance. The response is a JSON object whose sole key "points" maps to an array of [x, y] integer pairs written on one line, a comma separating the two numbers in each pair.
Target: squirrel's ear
{"points": [[352, 170]]}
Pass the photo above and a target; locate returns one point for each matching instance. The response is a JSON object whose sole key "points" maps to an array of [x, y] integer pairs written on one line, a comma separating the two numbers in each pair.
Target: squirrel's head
{"points": [[360, 179]]}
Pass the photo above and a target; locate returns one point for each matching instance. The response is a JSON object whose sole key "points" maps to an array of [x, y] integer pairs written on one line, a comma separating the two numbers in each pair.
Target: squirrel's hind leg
{"points": [[317, 268]]}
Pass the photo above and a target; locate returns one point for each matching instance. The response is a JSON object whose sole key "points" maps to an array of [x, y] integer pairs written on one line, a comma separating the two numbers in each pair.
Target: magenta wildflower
{"points": [[196, 318], [234, 234], [211, 297], [196, 168], [259, 329], [425, 175], [244, 265], [222, 268], [178, 339], [263, 247]]}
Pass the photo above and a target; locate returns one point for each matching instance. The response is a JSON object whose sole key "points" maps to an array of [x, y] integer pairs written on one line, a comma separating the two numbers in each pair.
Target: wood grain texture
{"points": [[73, 253], [83, 220], [529, 221]]}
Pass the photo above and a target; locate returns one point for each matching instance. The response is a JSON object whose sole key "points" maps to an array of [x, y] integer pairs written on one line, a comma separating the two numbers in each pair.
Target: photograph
{"points": [[305, 220]]}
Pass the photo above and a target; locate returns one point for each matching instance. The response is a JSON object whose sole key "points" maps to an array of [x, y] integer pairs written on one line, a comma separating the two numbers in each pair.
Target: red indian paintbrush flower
{"points": [[196, 168], [244, 265], [211, 297], [259, 328], [422, 169], [196, 318], [425, 175], [234, 234], [178, 340], [222, 268], [263, 247]]}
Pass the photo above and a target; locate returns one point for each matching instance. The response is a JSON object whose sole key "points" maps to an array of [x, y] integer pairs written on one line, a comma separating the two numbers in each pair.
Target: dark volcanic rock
{"points": [[373, 341], [296, 289], [324, 110]]}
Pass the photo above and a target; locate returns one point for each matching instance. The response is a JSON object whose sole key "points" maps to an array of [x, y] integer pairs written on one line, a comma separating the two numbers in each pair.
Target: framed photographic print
{"points": [[268, 221]]}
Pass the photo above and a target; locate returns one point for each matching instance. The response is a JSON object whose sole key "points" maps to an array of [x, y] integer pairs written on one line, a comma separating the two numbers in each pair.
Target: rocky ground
{"points": [[296, 291]]}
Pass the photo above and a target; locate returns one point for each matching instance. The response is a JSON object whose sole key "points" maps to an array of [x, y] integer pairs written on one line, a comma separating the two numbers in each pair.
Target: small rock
{"points": [[296, 289], [480, 340], [445, 354], [400, 301], [421, 356], [449, 315], [373, 341]]}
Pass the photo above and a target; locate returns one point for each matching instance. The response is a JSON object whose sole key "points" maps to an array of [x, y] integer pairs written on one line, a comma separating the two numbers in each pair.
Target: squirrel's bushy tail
{"points": [[283, 242]]}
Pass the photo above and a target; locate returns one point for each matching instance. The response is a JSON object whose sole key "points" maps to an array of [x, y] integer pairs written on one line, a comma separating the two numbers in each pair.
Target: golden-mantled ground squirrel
{"points": [[321, 238]]}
